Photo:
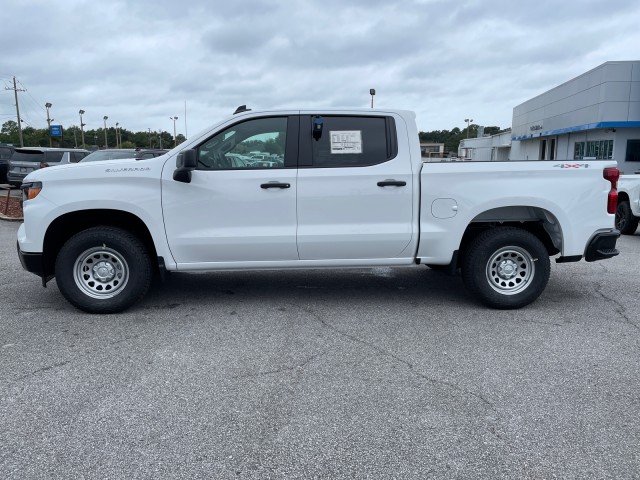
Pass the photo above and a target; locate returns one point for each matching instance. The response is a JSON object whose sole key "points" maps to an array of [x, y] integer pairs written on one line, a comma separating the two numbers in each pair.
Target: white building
{"points": [[595, 115], [486, 149], [432, 150]]}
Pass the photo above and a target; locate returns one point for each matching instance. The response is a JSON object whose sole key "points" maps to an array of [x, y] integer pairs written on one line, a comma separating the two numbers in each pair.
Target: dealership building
{"points": [[593, 116]]}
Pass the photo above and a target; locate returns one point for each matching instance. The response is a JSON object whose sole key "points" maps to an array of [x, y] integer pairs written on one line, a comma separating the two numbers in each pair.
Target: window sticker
{"points": [[346, 141]]}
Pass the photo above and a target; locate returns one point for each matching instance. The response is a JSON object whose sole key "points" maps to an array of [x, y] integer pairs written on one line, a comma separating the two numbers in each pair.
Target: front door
{"points": [[241, 203]]}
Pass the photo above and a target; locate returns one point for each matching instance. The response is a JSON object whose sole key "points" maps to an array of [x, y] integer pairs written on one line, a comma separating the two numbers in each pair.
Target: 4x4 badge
{"points": [[572, 165]]}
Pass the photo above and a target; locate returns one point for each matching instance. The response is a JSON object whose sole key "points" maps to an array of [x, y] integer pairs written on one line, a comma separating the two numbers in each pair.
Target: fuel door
{"points": [[444, 208]]}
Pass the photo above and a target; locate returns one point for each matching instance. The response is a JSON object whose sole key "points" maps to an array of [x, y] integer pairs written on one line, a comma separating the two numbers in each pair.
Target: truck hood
{"points": [[96, 170]]}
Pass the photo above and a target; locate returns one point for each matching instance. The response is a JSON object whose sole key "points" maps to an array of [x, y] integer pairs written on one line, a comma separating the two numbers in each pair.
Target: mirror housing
{"points": [[186, 162]]}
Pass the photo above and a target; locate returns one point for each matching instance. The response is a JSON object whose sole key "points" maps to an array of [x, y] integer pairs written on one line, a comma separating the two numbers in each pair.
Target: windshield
{"points": [[95, 156]]}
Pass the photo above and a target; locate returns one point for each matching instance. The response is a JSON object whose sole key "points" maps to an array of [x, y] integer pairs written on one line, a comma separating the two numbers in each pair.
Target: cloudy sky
{"points": [[139, 61]]}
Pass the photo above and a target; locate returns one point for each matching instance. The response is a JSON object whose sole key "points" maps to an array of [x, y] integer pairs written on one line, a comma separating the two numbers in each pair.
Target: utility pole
{"points": [[48, 106], [149, 137], [15, 92]]}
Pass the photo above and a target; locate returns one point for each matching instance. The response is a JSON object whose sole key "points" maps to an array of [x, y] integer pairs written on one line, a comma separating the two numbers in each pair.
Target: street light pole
{"points": [[372, 92], [149, 137], [117, 141], [81, 127], [175, 138], [468, 120], [48, 106], [105, 118]]}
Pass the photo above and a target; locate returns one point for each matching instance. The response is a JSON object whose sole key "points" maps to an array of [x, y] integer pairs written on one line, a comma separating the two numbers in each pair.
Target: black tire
{"points": [[103, 270], [506, 267], [625, 221]]}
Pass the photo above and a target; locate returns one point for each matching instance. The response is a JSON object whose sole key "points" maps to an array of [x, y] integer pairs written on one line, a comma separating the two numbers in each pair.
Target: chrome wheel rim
{"points": [[510, 270], [101, 272]]}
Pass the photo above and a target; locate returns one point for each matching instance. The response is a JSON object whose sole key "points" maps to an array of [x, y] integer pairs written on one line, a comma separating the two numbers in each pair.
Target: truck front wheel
{"points": [[506, 267], [103, 270], [625, 221]]}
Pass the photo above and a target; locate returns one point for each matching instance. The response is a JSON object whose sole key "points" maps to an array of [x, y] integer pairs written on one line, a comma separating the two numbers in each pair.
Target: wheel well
{"points": [[537, 221], [66, 226], [623, 197]]}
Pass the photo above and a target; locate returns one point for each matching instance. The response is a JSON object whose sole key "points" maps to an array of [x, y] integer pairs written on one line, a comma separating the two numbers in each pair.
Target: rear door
{"points": [[355, 188]]}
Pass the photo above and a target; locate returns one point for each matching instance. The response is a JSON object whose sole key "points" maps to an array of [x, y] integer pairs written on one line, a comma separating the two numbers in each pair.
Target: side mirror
{"points": [[185, 162]]}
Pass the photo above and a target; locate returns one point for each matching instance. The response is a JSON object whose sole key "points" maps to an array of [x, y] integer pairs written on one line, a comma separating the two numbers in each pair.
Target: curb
{"points": [[11, 219]]}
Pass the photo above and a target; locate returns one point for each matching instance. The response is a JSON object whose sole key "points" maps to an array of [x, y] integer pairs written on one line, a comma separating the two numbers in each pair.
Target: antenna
{"points": [[242, 108]]}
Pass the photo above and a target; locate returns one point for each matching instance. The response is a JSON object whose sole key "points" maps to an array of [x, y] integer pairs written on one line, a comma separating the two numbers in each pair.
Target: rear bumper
{"points": [[602, 246], [16, 178]]}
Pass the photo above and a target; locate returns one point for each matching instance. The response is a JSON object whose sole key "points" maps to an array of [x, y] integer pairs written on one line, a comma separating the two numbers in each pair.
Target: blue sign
{"points": [[55, 130]]}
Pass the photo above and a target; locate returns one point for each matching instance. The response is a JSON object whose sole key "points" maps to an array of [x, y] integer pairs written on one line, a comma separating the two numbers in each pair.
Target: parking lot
{"points": [[385, 373]]}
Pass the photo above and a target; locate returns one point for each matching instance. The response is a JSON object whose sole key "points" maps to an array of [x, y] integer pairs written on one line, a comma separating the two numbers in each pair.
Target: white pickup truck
{"points": [[628, 211], [350, 190]]}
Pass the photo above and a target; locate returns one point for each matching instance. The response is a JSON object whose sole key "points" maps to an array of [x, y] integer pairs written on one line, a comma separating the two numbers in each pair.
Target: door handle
{"points": [[275, 185], [392, 183]]}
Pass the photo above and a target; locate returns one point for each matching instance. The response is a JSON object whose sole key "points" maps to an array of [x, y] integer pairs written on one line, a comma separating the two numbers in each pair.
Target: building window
{"points": [[633, 151], [598, 149]]}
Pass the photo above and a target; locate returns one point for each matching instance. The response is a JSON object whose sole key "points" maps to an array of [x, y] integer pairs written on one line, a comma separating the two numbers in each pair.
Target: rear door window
{"points": [[54, 156], [350, 141], [77, 156]]}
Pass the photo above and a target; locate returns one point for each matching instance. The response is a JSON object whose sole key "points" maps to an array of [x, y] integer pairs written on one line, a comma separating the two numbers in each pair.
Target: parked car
{"points": [[28, 159], [5, 155], [122, 153], [150, 153]]}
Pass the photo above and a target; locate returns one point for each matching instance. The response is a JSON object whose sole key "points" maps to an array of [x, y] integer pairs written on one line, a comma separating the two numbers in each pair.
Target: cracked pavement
{"points": [[383, 373]]}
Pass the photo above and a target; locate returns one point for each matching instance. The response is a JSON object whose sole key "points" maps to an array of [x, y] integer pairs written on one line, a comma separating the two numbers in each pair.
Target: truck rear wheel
{"points": [[625, 221], [103, 270], [506, 267]]}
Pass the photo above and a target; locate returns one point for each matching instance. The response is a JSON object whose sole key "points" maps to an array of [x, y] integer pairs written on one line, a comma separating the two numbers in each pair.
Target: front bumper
{"points": [[33, 262], [602, 246]]}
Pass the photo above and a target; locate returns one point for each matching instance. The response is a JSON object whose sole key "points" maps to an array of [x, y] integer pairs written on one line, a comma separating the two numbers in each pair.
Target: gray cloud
{"points": [[139, 61]]}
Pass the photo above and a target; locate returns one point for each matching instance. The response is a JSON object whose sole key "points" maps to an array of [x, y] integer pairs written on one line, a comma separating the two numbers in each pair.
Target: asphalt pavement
{"points": [[384, 373]]}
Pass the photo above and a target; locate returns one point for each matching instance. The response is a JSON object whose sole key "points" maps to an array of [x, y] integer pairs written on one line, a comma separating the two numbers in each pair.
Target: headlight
{"points": [[30, 190]]}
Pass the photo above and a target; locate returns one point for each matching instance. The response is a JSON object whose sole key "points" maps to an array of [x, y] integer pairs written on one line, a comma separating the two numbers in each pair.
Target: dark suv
{"points": [[5, 155], [26, 160]]}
